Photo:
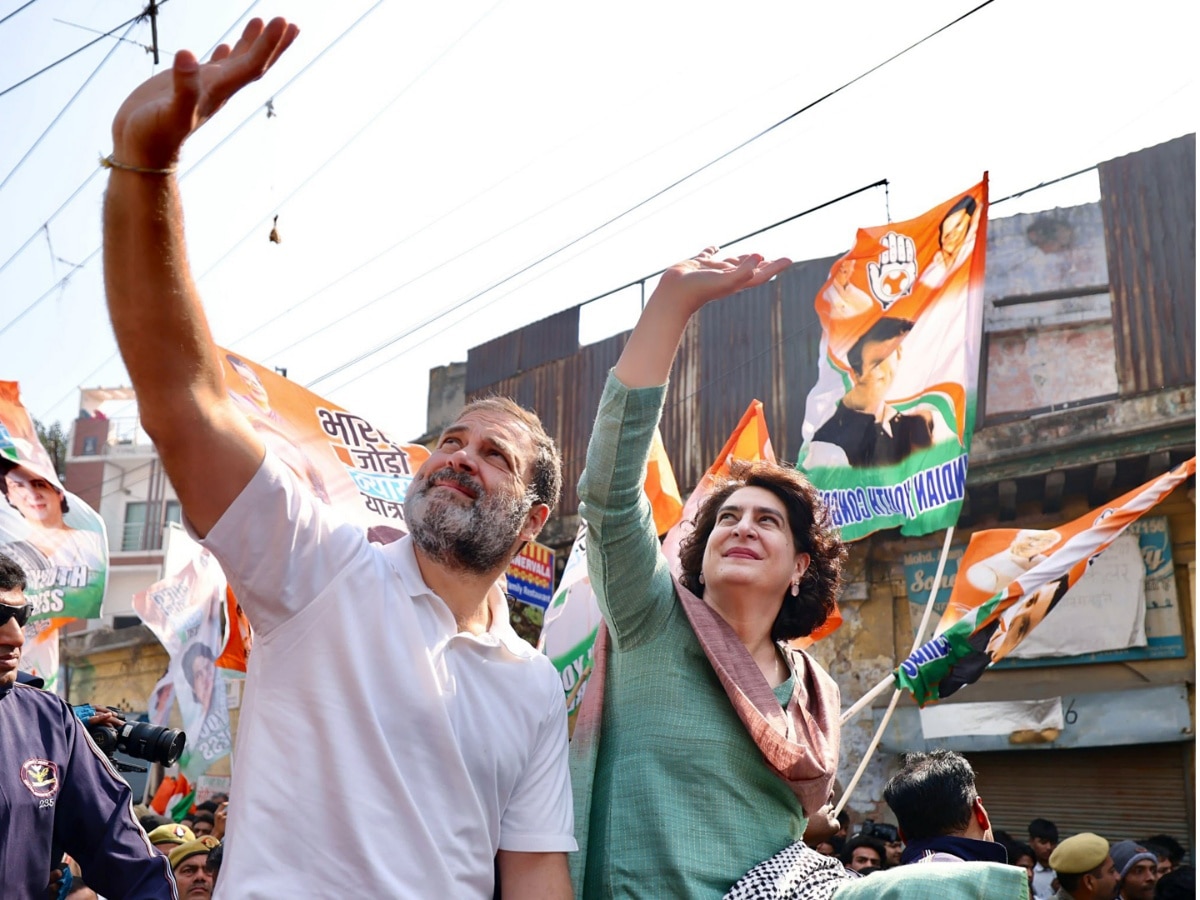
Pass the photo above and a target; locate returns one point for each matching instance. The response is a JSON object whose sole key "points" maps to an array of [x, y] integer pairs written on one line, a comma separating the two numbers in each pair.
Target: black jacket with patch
{"points": [[57, 789]]}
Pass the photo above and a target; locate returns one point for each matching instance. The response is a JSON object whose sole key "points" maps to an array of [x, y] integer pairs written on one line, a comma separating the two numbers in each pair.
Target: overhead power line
{"points": [[603, 225], [808, 106], [340, 150], [1043, 184], [96, 171], [73, 53], [192, 168], [445, 312], [23, 6], [62, 112]]}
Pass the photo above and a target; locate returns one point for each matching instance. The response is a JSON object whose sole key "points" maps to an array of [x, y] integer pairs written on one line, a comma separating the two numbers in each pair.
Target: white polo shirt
{"points": [[380, 752]]}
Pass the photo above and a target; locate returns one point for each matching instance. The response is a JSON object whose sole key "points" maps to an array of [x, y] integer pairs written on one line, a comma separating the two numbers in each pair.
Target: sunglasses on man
{"points": [[20, 613]]}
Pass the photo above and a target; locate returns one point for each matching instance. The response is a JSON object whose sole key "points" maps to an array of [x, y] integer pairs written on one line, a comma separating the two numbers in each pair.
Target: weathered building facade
{"points": [[1087, 388]]}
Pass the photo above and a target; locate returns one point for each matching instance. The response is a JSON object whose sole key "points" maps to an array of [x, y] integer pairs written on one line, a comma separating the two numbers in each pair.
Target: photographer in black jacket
{"points": [[56, 789]]}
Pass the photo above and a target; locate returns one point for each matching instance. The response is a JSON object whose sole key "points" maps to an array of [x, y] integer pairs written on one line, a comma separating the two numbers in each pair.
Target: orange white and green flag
{"points": [[1009, 580], [888, 425]]}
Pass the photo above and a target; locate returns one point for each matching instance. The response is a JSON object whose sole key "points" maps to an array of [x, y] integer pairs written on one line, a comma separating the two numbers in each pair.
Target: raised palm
{"points": [[155, 120], [704, 278]]}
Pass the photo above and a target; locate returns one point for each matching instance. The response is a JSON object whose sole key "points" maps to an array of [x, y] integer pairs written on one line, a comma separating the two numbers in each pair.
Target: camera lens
{"points": [[152, 742]]}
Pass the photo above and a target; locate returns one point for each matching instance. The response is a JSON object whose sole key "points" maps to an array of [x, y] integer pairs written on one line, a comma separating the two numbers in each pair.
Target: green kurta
{"points": [[682, 803]]}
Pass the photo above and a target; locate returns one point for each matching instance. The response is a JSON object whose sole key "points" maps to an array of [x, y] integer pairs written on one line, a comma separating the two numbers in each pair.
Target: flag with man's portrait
{"points": [[888, 425], [51, 533], [1009, 580]]}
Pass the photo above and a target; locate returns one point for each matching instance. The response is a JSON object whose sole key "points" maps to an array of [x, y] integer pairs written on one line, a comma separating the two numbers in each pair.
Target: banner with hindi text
{"points": [[339, 457]]}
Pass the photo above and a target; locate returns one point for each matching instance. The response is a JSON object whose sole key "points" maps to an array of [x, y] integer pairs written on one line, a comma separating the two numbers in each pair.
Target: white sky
{"points": [[474, 137]]}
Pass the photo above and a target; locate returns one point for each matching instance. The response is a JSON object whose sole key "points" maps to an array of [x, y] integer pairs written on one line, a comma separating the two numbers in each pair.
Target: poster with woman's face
{"points": [[54, 536]]}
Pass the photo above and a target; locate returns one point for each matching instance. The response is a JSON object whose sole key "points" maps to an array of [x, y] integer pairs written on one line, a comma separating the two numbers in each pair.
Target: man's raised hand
{"points": [[155, 120]]}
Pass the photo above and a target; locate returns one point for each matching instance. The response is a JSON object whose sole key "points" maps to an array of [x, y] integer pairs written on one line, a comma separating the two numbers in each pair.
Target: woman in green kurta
{"points": [[706, 744]]}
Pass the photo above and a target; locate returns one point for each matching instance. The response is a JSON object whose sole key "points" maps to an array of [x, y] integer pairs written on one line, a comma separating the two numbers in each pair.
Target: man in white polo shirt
{"points": [[392, 719]]}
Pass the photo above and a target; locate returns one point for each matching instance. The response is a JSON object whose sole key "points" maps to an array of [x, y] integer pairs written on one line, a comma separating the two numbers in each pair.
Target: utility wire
{"points": [[193, 167], [378, 348], [340, 150], [91, 43], [442, 264], [62, 112], [19, 8], [1043, 184], [145, 47], [96, 171], [644, 278], [669, 187]]}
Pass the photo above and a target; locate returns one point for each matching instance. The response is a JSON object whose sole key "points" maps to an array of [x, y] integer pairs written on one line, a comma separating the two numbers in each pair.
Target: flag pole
{"points": [[862, 766], [882, 686]]}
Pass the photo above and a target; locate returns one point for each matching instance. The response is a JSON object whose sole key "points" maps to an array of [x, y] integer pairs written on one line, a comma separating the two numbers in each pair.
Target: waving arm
{"points": [[682, 291], [208, 449]]}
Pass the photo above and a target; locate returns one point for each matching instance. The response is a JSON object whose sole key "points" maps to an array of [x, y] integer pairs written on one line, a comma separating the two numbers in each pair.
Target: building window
{"points": [[134, 535], [143, 530], [90, 445]]}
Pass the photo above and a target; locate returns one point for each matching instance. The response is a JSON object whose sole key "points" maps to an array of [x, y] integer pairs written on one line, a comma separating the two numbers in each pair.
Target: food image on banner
{"points": [[530, 583], [56, 538], [1010, 580], [888, 425]]}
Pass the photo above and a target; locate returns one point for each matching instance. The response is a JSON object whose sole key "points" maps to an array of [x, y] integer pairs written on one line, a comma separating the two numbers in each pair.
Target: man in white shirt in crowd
{"points": [[394, 725]]}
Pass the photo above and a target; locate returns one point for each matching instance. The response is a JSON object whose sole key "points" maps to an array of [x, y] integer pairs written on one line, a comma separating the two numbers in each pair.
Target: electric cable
{"points": [[1044, 184], [644, 278], [23, 6], [62, 112], [73, 53], [808, 106], [425, 71], [96, 171], [193, 167]]}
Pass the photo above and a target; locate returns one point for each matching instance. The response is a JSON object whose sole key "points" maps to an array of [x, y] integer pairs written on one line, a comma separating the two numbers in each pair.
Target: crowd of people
{"points": [[430, 740]]}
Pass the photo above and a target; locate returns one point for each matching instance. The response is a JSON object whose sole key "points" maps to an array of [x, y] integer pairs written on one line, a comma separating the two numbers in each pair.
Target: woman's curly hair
{"points": [[812, 533]]}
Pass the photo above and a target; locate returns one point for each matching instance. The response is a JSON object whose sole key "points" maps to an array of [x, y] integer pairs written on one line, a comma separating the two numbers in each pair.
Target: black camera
{"points": [[153, 743], [881, 831]]}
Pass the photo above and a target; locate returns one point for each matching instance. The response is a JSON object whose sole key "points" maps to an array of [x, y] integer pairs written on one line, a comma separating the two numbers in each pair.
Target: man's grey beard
{"points": [[474, 538]]}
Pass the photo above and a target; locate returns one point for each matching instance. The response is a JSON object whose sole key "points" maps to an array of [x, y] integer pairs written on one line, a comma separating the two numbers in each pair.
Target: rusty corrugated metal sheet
{"points": [[554, 337], [1149, 204], [564, 393], [492, 362], [800, 349]]}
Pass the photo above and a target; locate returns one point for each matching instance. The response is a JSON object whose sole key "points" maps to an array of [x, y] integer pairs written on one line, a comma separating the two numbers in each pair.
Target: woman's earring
{"points": [[796, 588], [701, 578]]}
